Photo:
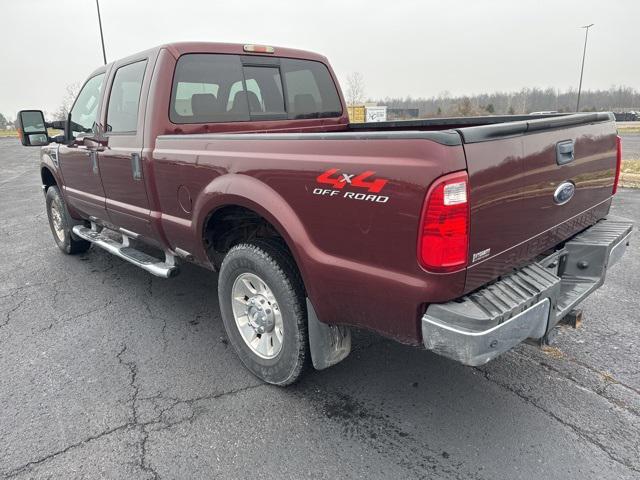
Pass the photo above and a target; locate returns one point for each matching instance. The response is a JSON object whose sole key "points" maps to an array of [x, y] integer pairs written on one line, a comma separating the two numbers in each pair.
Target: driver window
{"points": [[85, 109]]}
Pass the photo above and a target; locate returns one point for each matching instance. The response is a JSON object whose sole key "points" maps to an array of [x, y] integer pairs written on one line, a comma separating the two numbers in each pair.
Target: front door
{"points": [[121, 162], [79, 165]]}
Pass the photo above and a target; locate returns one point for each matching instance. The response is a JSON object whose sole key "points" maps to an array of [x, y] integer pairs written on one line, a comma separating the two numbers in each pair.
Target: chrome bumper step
{"points": [[124, 250], [527, 303]]}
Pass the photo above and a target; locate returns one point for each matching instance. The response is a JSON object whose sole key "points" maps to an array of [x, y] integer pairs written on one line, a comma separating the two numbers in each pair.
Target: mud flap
{"points": [[329, 344]]}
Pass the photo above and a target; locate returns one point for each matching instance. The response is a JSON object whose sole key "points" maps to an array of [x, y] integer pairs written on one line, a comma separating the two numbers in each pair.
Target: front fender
{"points": [[49, 162]]}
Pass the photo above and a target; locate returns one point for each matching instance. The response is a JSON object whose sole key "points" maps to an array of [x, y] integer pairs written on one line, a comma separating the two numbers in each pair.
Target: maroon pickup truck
{"points": [[463, 235]]}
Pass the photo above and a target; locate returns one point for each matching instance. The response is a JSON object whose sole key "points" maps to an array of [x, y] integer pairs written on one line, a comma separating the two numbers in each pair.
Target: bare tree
{"points": [[67, 102], [355, 89], [466, 108]]}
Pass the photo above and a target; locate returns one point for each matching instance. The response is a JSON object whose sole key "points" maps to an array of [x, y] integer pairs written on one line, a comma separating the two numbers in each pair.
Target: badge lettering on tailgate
{"points": [[480, 255]]}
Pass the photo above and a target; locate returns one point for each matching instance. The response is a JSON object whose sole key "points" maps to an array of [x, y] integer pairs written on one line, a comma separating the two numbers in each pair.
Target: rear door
{"points": [[531, 191], [79, 165], [121, 160]]}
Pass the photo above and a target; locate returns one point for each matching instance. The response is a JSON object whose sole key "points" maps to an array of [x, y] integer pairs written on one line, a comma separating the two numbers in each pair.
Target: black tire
{"points": [[273, 264], [68, 244]]}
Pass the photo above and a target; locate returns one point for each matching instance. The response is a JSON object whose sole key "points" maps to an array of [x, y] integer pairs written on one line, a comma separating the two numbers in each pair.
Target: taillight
{"points": [[618, 163], [444, 229]]}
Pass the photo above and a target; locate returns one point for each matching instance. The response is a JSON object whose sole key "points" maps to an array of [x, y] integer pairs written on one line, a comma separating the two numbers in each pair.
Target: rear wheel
{"points": [[262, 304], [60, 223]]}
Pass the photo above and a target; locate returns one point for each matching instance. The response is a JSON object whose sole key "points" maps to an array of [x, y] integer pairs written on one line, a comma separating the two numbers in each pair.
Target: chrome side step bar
{"points": [[124, 250]]}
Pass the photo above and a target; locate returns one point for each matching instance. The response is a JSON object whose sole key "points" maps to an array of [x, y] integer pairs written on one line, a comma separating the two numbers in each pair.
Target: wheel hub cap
{"points": [[257, 315], [260, 313]]}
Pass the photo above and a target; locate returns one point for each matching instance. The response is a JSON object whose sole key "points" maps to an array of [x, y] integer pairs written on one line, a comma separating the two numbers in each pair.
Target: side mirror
{"points": [[32, 128]]}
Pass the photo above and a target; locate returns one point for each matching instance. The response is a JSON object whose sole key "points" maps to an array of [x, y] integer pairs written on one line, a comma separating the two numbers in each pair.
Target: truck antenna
{"points": [[584, 54], [104, 55]]}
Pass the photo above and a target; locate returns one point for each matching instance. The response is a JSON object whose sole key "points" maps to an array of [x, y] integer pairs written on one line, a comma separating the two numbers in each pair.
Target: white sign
{"points": [[376, 114]]}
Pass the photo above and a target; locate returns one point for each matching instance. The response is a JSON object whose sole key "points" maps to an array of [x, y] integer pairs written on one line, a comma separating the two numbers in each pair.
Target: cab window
{"points": [[220, 88], [311, 92], [202, 86], [85, 109], [124, 99], [264, 91], [185, 92]]}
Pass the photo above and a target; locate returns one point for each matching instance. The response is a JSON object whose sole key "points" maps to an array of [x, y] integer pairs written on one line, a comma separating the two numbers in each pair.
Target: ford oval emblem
{"points": [[564, 193]]}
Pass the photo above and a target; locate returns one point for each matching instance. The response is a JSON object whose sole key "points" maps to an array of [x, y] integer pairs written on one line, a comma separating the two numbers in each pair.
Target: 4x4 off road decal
{"points": [[363, 180], [344, 179]]}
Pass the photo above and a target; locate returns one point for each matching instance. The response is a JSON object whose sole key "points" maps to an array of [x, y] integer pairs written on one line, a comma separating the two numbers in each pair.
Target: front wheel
{"points": [[60, 223], [262, 304]]}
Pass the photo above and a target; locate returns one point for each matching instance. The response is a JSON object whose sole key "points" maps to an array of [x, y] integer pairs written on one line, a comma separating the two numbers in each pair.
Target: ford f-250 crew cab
{"points": [[464, 235]]}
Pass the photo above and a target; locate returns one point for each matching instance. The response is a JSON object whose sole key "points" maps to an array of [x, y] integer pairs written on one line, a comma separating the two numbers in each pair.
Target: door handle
{"points": [[93, 160], [564, 152], [136, 166]]}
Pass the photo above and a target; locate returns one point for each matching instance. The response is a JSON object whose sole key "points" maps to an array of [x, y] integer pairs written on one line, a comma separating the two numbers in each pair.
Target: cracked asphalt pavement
{"points": [[108, 372]]}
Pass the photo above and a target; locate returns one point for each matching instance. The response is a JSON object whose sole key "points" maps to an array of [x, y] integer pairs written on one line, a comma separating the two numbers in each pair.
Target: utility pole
{"points": [[584, 53], [104, 55]]}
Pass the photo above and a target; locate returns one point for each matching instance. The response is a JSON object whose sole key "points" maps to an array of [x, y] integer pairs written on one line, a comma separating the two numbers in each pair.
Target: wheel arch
{"points": [[48, 178], [247, 194]]}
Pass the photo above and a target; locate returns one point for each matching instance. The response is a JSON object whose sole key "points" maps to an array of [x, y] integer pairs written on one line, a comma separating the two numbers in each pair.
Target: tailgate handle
{"points": [[564, 152]]}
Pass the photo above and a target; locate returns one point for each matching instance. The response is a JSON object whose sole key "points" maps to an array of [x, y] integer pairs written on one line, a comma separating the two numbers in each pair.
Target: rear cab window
{"points": [[209, 88], [124, 98], [310, 90]]}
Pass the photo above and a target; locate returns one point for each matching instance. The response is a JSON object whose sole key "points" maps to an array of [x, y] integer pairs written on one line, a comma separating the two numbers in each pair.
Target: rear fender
{"points": [[251, 193]]}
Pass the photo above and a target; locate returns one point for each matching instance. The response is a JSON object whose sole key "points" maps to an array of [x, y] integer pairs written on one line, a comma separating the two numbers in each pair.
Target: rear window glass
{"points": [[264, 90], [310, 89], [210, 88], [201, 87], [185, 92]]}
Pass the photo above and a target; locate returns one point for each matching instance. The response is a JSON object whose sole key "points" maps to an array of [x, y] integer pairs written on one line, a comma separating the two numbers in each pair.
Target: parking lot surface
{"points": [[108, 372], [631, 146]]}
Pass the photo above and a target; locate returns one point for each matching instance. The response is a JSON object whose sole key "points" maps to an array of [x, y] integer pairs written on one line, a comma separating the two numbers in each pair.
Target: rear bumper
{"points": [[528, 302]]}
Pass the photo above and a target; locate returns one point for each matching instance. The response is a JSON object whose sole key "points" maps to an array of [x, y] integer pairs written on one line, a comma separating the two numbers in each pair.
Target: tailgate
{"points": [[522, 176]]}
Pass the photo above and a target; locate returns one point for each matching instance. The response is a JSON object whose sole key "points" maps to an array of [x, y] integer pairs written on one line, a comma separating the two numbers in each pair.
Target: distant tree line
{"points": [[527, 100]]}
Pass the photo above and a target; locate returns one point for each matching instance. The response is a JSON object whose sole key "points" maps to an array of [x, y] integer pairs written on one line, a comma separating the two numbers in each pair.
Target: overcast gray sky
{"points": [[402, 47]]}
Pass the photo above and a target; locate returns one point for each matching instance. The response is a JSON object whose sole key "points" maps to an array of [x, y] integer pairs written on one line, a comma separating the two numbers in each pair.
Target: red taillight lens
{"points": [[618, 163], [444, 231]]}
